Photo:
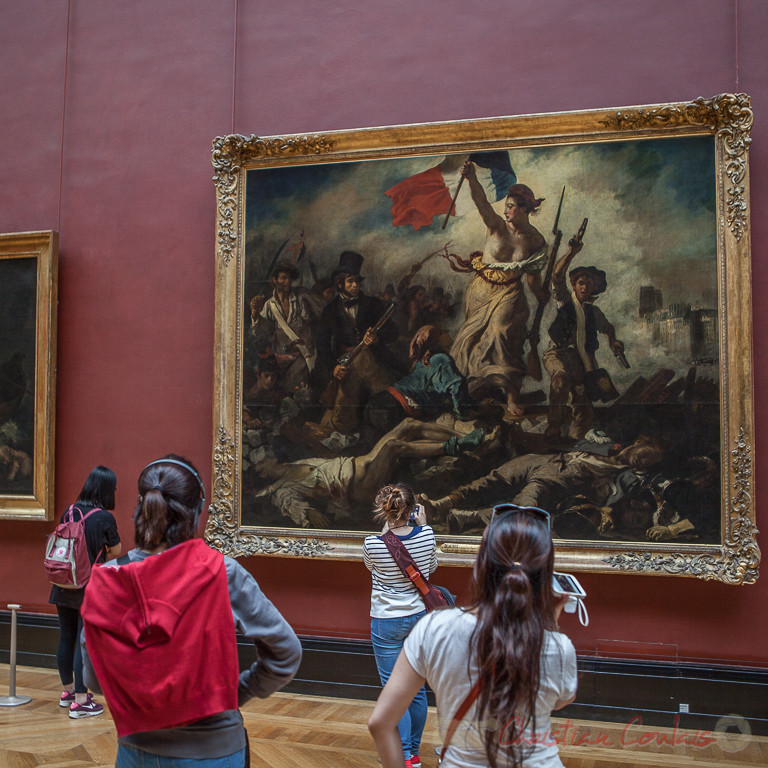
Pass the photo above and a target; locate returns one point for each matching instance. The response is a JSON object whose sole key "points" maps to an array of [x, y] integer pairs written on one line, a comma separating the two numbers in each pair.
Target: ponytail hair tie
{"points": [[156, 488], [516, 566]]}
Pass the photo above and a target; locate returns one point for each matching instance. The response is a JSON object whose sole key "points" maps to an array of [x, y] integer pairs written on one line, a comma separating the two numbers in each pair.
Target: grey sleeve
{"points": [[89, 676], [279, 650]]}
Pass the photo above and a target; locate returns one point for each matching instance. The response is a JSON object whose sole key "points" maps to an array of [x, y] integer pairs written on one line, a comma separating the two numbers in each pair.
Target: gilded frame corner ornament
{"points": [[724, 121], [730, 116], [28, 287], [229, 155]]}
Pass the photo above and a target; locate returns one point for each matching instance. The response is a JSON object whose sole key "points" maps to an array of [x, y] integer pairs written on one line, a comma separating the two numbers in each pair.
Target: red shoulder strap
{"points": [[404, 561], [71, 509], [459, 716]]}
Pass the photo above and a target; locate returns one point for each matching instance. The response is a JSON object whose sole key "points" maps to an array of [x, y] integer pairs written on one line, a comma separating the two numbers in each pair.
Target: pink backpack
{"points": [[66, 562]]}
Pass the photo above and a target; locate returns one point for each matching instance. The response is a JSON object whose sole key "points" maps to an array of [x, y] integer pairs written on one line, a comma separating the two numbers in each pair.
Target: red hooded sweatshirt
{"points": [[161, 638]]}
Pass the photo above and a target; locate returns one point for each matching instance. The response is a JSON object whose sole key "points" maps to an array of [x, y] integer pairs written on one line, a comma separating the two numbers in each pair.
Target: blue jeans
{"points": [[387, 636], [128, 757]]}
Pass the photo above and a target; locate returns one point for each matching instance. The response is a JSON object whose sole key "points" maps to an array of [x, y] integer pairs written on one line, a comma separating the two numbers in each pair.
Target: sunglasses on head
{"points": [[504, 510]]}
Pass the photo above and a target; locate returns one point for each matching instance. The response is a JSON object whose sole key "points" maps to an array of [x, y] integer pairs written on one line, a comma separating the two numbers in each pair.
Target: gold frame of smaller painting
{"points": [[29, 263]]}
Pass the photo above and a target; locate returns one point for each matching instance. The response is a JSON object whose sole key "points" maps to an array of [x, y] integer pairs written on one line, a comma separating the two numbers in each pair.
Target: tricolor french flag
{"points": [[417, 199]]}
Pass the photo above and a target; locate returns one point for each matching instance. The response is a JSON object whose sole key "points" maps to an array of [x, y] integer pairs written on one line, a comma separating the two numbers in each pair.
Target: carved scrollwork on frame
{"points": [[739, 560], [222, 529], [730, 116], [229, 155]]}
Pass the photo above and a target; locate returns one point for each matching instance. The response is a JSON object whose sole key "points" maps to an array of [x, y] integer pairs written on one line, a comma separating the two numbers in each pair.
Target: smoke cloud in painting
{"points": [[650, 205]]}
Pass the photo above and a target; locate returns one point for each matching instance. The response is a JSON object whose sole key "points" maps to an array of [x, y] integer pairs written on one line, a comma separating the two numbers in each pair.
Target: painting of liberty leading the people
{"points": [[535, 325]]}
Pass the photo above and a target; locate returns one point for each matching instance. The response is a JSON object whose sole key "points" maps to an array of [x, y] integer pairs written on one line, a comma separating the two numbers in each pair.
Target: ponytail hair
{"points": [[393, 502], [513, 602], [171, 497]]}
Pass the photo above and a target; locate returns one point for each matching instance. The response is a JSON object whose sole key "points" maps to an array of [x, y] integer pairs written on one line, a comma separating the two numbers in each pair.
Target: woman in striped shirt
{"points": [[396, 605]]}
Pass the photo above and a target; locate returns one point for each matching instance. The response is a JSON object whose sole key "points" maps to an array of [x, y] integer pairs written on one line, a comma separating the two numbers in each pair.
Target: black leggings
{"points": [[69, 659]]}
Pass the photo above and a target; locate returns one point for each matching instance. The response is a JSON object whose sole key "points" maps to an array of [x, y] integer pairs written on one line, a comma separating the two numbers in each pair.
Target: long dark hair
{"points": [[513, 602], [170, 500], [99, 488]]}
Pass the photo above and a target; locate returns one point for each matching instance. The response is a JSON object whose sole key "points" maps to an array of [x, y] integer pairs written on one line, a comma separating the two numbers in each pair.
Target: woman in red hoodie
{"points": [[167, 659]]}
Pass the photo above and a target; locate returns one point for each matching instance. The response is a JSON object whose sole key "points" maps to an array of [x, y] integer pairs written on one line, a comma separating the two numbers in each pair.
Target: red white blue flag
{"points": [[417, 199]]}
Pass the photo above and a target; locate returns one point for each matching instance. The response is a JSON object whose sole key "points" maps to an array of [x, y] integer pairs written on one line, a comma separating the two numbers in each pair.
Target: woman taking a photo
{"points": [[167, 658], [396, 604], [504, 650], [103, 542]]}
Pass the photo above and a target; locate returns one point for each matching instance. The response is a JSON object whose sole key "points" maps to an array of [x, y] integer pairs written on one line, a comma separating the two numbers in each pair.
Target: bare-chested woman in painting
{"points": [[488, 348]]}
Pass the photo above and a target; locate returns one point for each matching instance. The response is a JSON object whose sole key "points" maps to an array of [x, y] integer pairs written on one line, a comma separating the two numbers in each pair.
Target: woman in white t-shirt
{"points": [[505, 646], [396, 605]]}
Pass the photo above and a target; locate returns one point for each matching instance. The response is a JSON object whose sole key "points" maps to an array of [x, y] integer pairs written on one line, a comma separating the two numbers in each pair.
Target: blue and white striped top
{"points": [[392, 593]]}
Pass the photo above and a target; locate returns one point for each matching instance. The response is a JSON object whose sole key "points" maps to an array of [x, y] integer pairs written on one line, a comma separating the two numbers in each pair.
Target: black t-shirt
{"points": [[100, 531]]}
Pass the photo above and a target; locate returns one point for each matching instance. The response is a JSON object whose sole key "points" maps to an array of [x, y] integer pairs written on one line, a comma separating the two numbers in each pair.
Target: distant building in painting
{"points": [[650, 300], [685, 331]]}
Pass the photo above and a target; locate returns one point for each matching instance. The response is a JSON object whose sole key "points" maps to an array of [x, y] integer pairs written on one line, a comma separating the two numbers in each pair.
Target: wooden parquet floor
{"points": [[295, 731]]}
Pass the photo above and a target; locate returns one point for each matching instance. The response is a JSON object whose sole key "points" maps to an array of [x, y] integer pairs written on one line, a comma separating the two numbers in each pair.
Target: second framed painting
{"points": [[28, 291], [549, 310]]}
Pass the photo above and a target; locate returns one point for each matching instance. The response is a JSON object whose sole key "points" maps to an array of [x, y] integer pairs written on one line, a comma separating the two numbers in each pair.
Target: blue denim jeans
{"points": [[128, 757], [387, 636]]}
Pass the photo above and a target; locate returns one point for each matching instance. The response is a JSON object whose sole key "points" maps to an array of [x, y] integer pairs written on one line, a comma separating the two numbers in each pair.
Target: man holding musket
{"points": [[349, 321]]}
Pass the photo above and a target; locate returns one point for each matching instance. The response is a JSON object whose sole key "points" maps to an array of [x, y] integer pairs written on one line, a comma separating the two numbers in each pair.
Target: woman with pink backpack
{"points": [[93, 503]]}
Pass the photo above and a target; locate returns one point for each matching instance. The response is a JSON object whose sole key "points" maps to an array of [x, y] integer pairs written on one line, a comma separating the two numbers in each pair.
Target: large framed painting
{"points": [[28, 288], [549, 310]]}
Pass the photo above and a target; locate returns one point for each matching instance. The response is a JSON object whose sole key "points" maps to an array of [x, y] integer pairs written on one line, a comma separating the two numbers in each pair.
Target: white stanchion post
{"points": [[12, 700]]}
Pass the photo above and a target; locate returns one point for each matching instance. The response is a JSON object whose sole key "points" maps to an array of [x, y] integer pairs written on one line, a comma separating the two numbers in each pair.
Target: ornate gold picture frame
{"points": [[28, 291], [586, 280]]}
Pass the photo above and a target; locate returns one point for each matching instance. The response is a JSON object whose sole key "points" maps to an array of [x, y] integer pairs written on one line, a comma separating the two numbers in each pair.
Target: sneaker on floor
{"points": [[415, 761], [89, 709], [66, 699]]}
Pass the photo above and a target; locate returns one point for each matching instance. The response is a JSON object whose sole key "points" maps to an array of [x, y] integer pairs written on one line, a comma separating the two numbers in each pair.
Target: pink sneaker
{"points": [[89, 709], [66, 699], [414, 762]]}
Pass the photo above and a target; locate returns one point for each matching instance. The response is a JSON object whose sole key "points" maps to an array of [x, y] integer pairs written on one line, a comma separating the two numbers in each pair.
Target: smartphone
{"points": [[565, 584], [412, 517]]}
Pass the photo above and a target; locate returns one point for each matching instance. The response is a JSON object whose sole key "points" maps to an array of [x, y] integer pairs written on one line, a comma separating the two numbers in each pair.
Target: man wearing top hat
{"points": [[346, 321], [574, 341], [290, 314]]}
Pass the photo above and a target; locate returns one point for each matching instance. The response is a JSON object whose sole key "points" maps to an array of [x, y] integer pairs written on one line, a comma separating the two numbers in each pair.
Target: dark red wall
{"points": [[108, 112]]}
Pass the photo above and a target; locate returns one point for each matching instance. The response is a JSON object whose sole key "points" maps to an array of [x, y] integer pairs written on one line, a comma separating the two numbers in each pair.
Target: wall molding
{"points": [[610, 689]]}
